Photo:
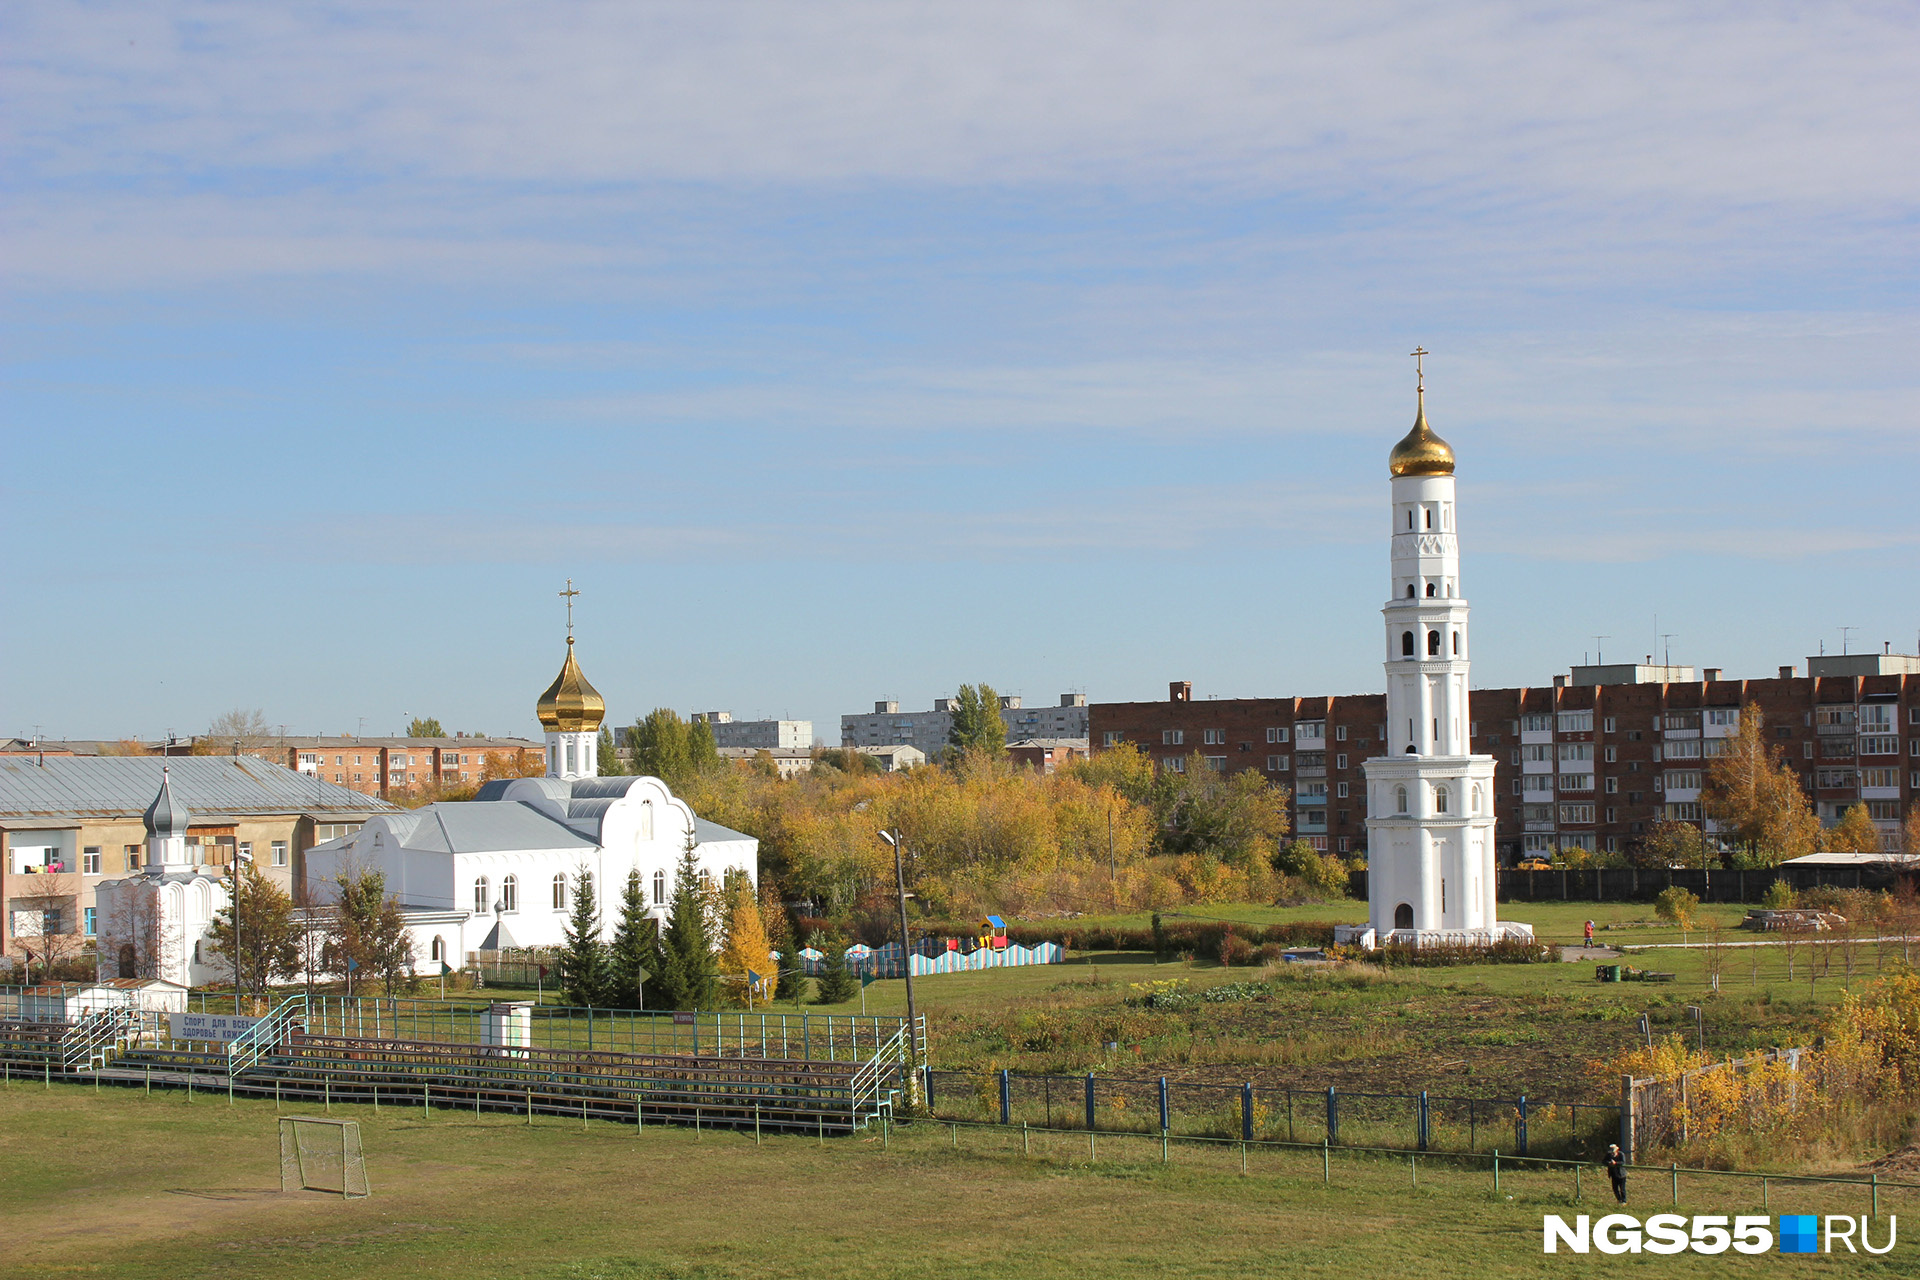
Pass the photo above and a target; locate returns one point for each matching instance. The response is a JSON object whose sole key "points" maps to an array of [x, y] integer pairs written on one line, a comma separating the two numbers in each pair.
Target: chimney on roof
{"points": [[1180, 691], [1786, 673], [1559, 682], [1713, 673]]}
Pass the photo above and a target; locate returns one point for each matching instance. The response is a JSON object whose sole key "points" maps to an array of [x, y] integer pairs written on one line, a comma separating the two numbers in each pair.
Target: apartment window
{"points": [[1110, 738], [1633, 735], [1576, 782], [1582, 751], [1535, 724], [1613, 754], [1683, 780], [1835, 778], [1537, 751], [1715, 747], [88, 919], [1537, 844], [1340, 733], [449, 757], [1613, 842], [510, 894], [1311, 730], [356, 761], [279, 853], [1217, 763], [1539, 782], [338, 778], [1516, 755], [1913, 715], [1536, 813], [1276, 764], [1884, 810], [1833, 717], [482, 899], [1806, 751], [359, 777], [1723, 715], [1345, 844], [1681, 721], [90, 862], [1516, 786], [1881, 746], [1613, 786], [245, 851], [1277, 734], [1576, 813], [560, 892], [659, 887], [1213, 737], [1879, 777], [1613, 814], [1687, 750], [1172, 737], [1174, 763], [1782, 731], [309, 759], [132, 852], [1684, 811], [1340, 760], [1311, 793], [1340, 790], [1576, 722], [1606, 726]]}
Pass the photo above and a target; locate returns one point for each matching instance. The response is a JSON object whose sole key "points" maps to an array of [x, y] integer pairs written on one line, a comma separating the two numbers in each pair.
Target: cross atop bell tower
{"points": [[568, 595]]}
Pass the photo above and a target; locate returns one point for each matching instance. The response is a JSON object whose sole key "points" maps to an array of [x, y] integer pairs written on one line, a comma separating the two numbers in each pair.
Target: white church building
{"points": [[1430, 851], [498, 871]]}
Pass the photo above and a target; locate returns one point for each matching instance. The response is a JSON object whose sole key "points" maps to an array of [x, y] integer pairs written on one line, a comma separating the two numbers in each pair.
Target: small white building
{"points": [[500, 870], [57, 1003], [157, 923]]}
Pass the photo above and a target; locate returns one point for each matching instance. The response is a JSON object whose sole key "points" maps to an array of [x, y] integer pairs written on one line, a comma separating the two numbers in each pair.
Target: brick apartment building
{"points": [[386, 766], [1590, 761]]}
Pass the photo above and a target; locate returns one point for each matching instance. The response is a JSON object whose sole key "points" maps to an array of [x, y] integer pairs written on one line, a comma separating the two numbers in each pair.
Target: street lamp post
{"points": [[906, 965], [239, 964]]}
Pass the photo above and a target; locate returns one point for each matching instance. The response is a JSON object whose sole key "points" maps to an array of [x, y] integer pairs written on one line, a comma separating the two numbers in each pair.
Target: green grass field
{"points": [[119, 1185]]}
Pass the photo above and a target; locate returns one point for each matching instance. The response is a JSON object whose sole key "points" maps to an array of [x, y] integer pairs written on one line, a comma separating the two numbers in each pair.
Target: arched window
{"points": [[1442, 798], [1409, 591], [1399, 799], [560, 892], [1429, 517], [1433, 589], [1403, 916], [1409, 518], [1456, 644], [510, 894], [659, 887], [588, 886], [482, 900], [1433, 644], [1406, 644], [438, 952], [1479, 798], [646, 819]]}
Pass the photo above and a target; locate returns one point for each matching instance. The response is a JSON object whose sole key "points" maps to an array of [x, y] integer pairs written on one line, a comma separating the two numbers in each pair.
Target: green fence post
{"points": [[1576, 1183], [1763, 1195], [326, 1088], [1025, 1150], [1876, 1195], [1675, 1170], [756, 1124], [1326, 1162], [1496, 1171], [529, 1106]]}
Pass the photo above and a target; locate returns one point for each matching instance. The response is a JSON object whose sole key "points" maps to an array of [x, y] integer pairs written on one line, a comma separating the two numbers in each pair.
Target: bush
{"points": [[1778, 897], [1678, 905], [1505, 951]]}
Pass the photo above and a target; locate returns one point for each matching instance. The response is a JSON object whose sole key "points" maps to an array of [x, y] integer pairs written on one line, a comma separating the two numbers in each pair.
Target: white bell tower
{"points": [[1430, 852]]}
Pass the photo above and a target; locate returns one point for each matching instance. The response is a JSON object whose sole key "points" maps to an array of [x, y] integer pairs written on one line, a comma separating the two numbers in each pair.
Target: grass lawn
{"points": [[120, 1185]]}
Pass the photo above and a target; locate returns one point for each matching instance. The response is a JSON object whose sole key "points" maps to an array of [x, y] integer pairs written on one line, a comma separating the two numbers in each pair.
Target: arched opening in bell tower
{"points": [[1433, 644], [1403, 916]]}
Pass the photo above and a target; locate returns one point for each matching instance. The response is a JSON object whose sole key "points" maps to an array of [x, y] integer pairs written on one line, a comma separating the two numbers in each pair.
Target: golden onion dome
{"points": [[1421, 452], [571, 704]]}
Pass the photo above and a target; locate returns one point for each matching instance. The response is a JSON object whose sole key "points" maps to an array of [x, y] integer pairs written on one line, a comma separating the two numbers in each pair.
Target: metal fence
{"points": [[1625, 884], [1250, 1112]]}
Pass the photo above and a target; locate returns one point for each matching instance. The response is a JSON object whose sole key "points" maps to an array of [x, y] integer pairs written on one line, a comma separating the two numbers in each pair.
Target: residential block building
{"points": [[887, 725], [758, 735], [1589, 761]]}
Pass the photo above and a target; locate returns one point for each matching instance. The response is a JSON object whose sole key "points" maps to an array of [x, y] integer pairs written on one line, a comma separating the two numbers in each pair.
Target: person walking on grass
{"points": [[1616, 1163], [1589, 933]]}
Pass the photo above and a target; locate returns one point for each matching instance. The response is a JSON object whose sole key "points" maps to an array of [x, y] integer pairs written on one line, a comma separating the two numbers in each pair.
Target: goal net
{"points": [[319, 1154]]}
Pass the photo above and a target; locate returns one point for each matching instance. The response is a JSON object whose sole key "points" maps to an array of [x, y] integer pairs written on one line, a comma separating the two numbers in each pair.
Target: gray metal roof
{"points": [[486, 826], [213, 787], [705, 832]]}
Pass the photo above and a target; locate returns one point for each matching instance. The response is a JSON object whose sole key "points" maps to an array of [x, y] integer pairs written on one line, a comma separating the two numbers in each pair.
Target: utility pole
{"points": [[1113, 873], [906, 968]]}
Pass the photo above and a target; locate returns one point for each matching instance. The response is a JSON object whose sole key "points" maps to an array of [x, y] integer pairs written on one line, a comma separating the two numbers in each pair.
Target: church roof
{"points": [[214, 788], [166, 816], [705, 832], [480, 826], [571, 704]]}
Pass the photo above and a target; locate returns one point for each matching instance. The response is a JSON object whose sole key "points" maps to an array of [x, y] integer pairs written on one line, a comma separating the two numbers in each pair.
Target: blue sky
{"points": [[840, 351]]}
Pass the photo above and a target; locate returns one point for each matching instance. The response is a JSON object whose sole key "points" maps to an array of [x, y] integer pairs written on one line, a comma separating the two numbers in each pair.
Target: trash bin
{"points": [[1606, 973]]}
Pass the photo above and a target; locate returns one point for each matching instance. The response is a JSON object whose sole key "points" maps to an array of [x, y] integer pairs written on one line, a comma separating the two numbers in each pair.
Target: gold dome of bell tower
{"points": [[1421, 452], [571, 704]]}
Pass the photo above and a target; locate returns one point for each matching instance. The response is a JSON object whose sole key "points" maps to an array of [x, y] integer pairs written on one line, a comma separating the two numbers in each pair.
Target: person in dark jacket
{"points": [[1616, 1163]]}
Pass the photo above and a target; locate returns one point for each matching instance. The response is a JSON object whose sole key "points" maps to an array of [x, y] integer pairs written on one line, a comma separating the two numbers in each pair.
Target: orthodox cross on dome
{"points": [[569, 594], [1419, 355]]}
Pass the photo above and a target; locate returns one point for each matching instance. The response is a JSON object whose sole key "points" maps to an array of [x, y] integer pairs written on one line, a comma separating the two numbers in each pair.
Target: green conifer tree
{"points": [[793, 979], [836, 983], [584, 976], [636, 946], [691, 974]]}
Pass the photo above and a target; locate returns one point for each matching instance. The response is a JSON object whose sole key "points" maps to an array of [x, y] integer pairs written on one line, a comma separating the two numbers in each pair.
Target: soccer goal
{"points": [[318, 1154]]}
